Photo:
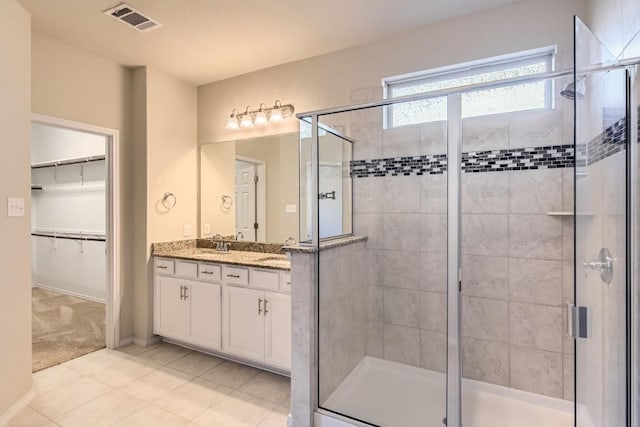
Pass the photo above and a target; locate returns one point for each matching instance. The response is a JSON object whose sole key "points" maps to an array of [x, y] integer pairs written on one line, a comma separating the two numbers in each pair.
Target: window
{"points": [[529, 96]]}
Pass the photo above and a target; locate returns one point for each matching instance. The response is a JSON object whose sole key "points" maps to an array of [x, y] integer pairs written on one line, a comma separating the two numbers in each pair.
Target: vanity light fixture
{"points": [[246, 121], [260, 117], [276, 114], [232, 123]]}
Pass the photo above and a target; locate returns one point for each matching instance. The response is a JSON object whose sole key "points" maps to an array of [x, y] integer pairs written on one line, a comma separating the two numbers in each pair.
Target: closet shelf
{"points": [[71, 188], [73, 161], [70, 235]]}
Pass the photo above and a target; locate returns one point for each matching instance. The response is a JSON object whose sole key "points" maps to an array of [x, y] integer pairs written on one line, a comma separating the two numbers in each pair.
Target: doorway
{"points": [[74, 223]]}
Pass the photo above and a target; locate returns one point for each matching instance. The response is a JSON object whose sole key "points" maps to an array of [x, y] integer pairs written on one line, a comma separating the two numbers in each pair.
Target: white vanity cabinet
{"points": [[244, 312], [257, 325], [256, 315], [184, 309]]}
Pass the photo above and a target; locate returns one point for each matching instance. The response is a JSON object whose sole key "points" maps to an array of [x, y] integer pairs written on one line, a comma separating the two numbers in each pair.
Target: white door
{"points": [[243, 322], [245, 199], [171, 309], [278, 330], [206, 316]]}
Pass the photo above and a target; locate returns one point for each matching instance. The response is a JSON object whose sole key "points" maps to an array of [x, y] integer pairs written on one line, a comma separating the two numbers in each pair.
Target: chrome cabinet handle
{"points": [[265, 307], [162, 267], [259, 306], [235, 276], [181, 292], [207, 272], [186, 292]]}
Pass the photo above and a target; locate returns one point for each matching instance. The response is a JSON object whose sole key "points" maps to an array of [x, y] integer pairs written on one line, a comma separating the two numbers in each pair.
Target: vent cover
{"points": [[133, 18]]}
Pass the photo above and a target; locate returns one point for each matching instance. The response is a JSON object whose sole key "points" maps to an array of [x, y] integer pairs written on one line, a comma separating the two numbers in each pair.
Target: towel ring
{"points": [[169, 200], [227, 201]]}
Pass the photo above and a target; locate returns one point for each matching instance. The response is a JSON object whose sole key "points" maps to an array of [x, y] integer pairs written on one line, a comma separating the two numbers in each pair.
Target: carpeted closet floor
{"points": [[64, 327]]}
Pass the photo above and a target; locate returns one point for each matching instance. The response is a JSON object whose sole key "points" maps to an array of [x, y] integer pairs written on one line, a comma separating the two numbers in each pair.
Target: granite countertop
{"points": [[326, 244], [246, 258]]}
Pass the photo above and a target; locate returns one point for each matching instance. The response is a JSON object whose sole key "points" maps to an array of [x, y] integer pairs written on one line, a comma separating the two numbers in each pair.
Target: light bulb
{"points": [[232, 123], [246, 121], [261, 119], [276, 114]]}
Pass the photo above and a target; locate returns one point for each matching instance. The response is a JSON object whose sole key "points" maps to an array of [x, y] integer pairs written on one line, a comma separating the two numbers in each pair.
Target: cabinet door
{"points": [[243, 322], [278, 330], [171, 313], [205, 328]]}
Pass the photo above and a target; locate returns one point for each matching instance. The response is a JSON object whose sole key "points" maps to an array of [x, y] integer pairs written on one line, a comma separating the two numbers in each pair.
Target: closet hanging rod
{"points": [[88, 238], [73, 161]]}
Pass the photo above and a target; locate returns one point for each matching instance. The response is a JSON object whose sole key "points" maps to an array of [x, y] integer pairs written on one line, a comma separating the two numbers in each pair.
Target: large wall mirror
{"points": [[249, 188]]}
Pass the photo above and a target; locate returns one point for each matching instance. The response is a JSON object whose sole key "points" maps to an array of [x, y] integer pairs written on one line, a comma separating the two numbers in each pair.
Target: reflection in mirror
{"points": [[334, 183], [259, 175]]}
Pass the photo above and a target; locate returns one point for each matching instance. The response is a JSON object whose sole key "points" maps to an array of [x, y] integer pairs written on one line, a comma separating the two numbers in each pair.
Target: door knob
{"points": [[603, 265]]}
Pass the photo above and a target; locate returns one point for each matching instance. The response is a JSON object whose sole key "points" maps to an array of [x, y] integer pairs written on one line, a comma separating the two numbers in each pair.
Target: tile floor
{"points": [[162, 385]]}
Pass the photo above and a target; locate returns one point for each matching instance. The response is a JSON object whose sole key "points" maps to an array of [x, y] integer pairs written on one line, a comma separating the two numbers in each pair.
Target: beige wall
{"points": [[354, 75], [15, 257], [141, 270], [165, 118], [75, 85]]}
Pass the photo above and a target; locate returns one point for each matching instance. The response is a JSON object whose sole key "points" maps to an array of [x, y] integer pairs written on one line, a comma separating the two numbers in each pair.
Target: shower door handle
{"points": [[603, 265]]}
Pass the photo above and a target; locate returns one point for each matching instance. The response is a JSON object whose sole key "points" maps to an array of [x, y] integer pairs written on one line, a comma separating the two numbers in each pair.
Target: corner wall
{"points": [[15, 257], [166, 144]]}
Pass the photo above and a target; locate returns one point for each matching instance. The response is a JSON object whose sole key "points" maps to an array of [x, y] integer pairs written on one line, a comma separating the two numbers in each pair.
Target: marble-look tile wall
{"points": [[517, 259]]}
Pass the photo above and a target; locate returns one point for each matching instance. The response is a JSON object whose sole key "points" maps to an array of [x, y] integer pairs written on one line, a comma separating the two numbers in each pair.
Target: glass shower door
{"points": [[599, 318]]}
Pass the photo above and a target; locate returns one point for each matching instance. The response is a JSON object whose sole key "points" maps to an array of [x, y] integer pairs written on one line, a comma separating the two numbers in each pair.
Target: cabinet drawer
{"points": [[209, 272], [285, 282], [268, 280], [164, 267], [235, 275], [188, 270]]}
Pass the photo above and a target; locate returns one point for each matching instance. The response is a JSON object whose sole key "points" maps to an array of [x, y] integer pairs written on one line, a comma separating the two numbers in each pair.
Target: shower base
{"points": [[390, 394]]}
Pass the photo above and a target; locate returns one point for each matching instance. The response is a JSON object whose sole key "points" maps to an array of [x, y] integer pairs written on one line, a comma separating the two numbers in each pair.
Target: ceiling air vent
{"points": [[128, 15]]}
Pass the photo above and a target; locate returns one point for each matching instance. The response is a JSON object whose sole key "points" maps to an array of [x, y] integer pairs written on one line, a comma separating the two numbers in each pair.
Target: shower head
{"points": [[574, 90]]}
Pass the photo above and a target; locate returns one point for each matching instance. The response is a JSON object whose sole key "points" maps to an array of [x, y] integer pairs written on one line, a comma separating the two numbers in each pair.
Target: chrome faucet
{"points": [[239, 235], [222, 247]]}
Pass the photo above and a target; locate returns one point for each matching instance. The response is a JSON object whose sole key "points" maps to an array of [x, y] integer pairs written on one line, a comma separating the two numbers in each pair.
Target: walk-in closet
{"points": [[68, 243]]}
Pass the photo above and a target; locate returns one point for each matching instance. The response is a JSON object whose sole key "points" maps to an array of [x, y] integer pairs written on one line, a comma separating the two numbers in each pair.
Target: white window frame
{"points": [[466, 69]]}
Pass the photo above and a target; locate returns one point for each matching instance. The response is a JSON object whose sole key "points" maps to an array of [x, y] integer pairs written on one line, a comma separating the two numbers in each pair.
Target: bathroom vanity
{"points": [[236, 304]]}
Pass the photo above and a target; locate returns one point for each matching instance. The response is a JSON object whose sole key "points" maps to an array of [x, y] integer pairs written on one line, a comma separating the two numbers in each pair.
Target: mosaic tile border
{"points": [[549, 157], [610, 142]]}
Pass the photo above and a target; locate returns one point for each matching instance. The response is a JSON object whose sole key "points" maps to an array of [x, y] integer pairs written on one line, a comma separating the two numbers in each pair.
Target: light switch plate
{"points": [[15, 206], [291, 208], [187, 230]]}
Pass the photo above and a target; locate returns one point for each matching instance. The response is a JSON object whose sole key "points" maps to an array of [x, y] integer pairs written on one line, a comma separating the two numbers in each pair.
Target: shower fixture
{"points": [[575, 90]]}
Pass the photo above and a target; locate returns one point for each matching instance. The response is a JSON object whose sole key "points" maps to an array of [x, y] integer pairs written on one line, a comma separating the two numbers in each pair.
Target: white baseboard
{"points": [[146, 342], [125, 341], [17, 407], [73, 294]]}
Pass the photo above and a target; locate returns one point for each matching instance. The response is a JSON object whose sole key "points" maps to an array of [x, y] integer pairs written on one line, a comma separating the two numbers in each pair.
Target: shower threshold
{"points": [[391, 394]]}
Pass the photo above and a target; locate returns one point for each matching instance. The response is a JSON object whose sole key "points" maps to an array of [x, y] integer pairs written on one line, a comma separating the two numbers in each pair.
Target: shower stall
{"points": [[479, 269]]}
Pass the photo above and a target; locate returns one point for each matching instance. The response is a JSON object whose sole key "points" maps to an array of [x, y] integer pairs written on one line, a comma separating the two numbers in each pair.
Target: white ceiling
{"points": [[207, 40]]}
